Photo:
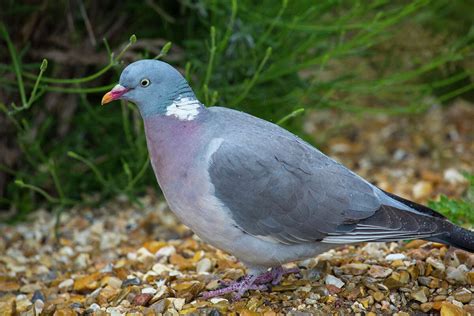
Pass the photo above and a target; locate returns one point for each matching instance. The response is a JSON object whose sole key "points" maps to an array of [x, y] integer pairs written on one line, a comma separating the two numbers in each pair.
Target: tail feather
{"points": [[456, 236]]}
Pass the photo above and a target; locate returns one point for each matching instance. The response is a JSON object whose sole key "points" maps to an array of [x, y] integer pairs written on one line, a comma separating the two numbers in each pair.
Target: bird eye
{"points": [[145, 82]]}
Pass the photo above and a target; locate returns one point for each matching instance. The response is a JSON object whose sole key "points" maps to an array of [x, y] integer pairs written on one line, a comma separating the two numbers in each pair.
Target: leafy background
{"points": [[275, 59]]}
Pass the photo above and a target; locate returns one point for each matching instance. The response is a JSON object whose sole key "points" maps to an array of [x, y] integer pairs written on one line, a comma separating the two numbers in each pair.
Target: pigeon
{"points": [[255, 190]]}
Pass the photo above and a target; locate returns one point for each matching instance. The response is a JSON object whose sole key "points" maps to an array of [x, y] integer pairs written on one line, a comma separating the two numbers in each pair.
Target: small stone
{"points": [[8, 306], [463, 295], [396, 280], [422, 190], [437, 264], [165, 252], [66, 284], [30, 288], [144, 256], [148, 290], [112, 281], [216, 300], [419, 295], [426, 307], [367, 301], [417, 243], [160, 306], [395, 256], [142, 299], [332, 280], [94, 307], [378, 296], [87, 283], [22, 303], [377, 271], [38, 306], [131, 281], [37, 295], [178, 303], [154, 246], [204, 265], [458, 274], [448, 309], [355, 268], [453, 176]]}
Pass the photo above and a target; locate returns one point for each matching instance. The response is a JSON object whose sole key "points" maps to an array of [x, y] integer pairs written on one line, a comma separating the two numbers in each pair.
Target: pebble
{"points": [[142, 299], [395, 256], [37, 295], [178, 303], [131, 281], [148, 290], [457, 274], [419, 295], [422, 189], [463, 295], [165, 251], [437, 264], [453, 176], [66, 284], [94, 307], [38, 306], [448, 309], [30, 288], [355, 268], [332, 280], [203, 265], [377, 271]]}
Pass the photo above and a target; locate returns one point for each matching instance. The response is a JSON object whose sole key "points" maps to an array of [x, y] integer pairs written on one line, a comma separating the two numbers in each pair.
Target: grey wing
{"points": [[287, 191]]}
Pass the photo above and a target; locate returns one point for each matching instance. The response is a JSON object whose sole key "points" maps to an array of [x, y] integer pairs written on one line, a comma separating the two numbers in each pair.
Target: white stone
{"points": [[94, 307], [395, 256], [216, 300], [453, 176], [203, 266], [148, 290], [178, 303], [66, 283], [165, 251], [331, 279]]}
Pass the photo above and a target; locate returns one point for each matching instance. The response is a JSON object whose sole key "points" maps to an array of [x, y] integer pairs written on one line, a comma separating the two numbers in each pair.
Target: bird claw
{"points": [[260, 282]]}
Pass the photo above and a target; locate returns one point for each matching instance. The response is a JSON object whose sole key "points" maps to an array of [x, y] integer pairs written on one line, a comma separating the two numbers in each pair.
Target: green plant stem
{"points": [[16, 63]]}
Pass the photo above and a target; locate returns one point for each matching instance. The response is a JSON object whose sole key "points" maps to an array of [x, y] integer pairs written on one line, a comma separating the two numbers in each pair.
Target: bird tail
{"points": [[455, 236], [447, 232]]}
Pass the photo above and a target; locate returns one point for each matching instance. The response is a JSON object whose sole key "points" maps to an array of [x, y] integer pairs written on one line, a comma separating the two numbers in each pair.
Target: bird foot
{"points": [[251, 282]]}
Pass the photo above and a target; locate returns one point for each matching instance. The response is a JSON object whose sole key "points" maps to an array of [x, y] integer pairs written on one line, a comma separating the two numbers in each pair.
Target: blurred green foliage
{"points": [[460, 211], [270, 58]]}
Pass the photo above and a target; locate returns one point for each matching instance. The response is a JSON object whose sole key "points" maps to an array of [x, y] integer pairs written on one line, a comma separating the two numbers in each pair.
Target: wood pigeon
{"points": [[257, 191]]}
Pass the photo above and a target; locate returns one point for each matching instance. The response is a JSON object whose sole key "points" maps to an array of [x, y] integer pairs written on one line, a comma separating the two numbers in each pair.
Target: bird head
{"points": [[151, 84]]}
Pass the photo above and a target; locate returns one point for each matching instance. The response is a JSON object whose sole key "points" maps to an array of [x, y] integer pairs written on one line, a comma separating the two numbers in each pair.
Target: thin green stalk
{"points": [[291, 115], [230, 27], [91, 165], [164, 50], [45, 194], [249, 84], [16, 63], [139, 175], [113, 61], [210, 65]]}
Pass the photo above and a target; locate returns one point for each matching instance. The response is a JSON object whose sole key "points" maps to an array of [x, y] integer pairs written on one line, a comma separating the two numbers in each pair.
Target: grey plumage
{"points": [[277, 186], [253, 189]]}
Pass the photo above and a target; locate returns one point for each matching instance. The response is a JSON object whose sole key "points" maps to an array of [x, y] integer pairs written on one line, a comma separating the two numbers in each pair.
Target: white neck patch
{"points": [[184, 108]]}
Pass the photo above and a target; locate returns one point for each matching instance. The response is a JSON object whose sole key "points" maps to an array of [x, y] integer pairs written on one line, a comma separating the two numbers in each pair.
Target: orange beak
{"points": [[114, 94]]}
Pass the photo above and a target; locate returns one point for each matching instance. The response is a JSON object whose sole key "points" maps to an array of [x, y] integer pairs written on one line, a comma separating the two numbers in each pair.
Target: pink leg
{"points": [[250, 282]]}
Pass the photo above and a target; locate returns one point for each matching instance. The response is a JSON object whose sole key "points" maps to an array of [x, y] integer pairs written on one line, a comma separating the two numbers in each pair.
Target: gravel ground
{"points": [[116, 262], [117, 259]]}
